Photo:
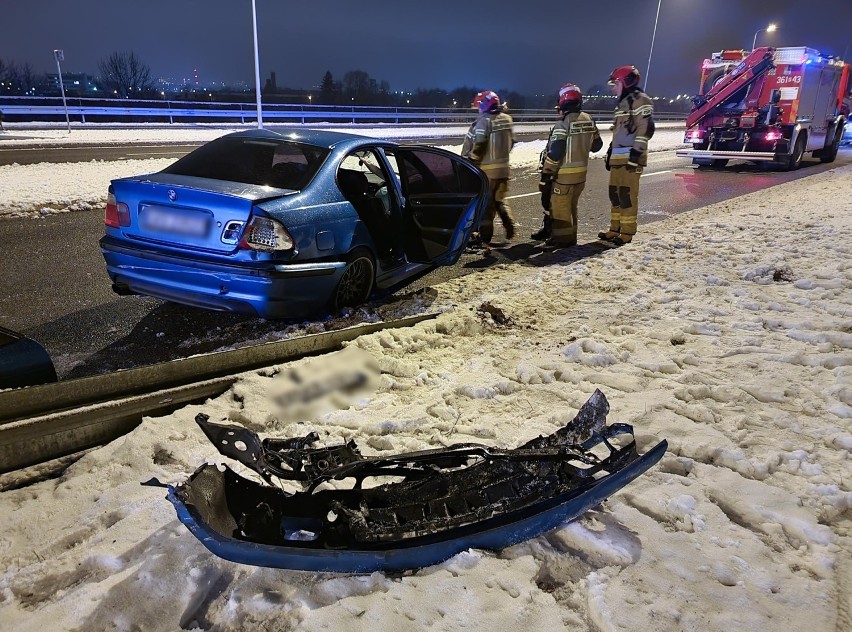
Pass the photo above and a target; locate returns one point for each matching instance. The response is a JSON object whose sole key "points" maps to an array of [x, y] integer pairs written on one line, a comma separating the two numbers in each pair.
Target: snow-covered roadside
{"points": [[726, 330], [44, 188], [116, 134], [46, 135]]}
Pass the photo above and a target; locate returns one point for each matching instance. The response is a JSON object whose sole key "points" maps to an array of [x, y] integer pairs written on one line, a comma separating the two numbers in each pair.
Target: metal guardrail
{"points": [[49, 421], [26, 109]]}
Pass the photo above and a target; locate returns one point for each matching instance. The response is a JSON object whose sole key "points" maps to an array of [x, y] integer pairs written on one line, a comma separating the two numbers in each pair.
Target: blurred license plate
{"points": [[190, 223]]}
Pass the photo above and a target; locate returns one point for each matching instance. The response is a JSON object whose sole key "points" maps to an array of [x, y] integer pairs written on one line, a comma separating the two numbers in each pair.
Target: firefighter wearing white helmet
{"points": [[563, 170], [487, 145], [627, 155]]}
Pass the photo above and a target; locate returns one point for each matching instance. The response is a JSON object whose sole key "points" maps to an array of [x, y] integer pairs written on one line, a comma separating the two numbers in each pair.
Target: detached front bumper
{"points": [[709, 154], [268, 290]]}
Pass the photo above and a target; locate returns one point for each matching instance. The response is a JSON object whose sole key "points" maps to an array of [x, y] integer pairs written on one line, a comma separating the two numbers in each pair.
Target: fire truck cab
{"points": [[770, 105]]}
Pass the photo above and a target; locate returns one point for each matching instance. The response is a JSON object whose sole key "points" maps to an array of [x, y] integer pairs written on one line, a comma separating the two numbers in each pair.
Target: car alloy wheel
{"points": [[356, 283]]}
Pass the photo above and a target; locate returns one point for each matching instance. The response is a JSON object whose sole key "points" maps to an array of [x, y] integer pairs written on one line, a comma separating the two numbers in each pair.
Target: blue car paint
{"points": [[494, 536], [292, 283]]}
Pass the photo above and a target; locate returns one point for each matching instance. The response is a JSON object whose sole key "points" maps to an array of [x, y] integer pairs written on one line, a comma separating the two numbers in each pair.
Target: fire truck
{"points": [[770, 105]]}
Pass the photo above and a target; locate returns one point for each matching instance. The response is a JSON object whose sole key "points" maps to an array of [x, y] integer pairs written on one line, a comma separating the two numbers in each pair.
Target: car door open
{"points": [[444, 197]]}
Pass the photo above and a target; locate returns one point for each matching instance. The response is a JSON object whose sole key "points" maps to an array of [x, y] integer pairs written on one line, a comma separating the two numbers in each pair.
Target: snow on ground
{"points": [[44, 188], [726, 330]]}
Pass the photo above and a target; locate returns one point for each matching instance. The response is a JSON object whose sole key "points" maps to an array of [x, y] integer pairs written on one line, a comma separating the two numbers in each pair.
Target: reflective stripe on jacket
{"points": [[632, 125], [488, 142], [567, 153]]}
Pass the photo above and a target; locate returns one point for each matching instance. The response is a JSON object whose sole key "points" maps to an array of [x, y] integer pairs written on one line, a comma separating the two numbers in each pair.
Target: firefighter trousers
{"points": [[563, 209], [497, 205], [624, 197]]}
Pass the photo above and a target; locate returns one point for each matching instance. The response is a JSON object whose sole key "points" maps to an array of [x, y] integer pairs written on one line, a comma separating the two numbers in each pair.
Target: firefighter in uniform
{"points": [[627, 155], [487, 144], [563, 171]]}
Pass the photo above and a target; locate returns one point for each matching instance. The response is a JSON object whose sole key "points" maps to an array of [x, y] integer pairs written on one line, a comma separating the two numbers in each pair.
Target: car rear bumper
{"points": [[269, 290]]}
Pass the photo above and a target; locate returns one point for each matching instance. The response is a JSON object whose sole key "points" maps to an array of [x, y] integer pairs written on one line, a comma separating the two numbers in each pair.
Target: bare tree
{"points": [[357, 85], [21, 78], [125, 75]]}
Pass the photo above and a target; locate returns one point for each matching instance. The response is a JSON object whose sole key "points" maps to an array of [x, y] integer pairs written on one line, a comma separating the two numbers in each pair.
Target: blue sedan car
{"points": [[285, 224]]}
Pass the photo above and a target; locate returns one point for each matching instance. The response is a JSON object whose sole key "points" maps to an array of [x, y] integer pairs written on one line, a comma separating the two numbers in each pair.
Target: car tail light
{"points": [[266, 235], [773, 134], [117, 213]]}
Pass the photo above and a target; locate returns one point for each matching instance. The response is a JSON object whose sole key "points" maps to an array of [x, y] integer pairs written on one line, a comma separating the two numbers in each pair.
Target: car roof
{"points": [[317, 137]]}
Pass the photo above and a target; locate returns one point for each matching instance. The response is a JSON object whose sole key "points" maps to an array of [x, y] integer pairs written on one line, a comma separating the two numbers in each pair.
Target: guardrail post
{"points": [[303, 115], [242, 116], [82, 111], [171, 118]]}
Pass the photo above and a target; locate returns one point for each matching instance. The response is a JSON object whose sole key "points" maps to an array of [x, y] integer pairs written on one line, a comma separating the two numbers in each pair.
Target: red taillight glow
{"points": [[117, 214], [694, 135], [773, 134]]}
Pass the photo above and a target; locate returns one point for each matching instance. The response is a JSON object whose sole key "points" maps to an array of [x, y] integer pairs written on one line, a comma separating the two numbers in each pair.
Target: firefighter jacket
{"points": [[633, 127], [488, 142], [566, 158]]}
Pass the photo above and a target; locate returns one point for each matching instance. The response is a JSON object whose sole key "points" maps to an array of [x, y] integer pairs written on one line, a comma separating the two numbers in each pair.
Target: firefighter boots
{"points": [[545, 231]]}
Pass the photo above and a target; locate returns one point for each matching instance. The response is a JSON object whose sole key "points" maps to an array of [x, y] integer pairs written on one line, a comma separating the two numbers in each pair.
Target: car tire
{"points": [[719, 163], [356, 283]]}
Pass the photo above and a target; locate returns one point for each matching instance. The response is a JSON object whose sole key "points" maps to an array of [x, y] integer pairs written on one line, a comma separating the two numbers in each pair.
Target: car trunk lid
{"points": [[189, 212]]}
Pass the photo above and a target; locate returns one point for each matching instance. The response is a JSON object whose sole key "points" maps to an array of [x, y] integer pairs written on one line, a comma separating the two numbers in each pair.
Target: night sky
{"points": [[424, 44]]}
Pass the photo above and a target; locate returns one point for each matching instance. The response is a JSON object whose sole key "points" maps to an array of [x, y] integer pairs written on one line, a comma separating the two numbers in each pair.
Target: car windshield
{"points": [[266, 162]]}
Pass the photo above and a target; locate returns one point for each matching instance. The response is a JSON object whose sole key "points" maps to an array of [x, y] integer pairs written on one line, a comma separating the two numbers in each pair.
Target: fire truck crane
{"points": [[769, 105]]}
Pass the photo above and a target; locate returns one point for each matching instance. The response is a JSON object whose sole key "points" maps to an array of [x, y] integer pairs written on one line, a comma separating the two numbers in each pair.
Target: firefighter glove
{"points": [[607, 157], [635, 156], [545, 185]]}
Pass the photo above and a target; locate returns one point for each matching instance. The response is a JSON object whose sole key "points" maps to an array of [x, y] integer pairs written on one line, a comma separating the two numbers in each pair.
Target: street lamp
{"points": [[768, 29], [653, 37], [256, 67]]}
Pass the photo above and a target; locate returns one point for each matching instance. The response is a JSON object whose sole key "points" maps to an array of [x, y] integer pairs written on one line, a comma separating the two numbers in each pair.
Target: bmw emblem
{"points": [[172, 195]]}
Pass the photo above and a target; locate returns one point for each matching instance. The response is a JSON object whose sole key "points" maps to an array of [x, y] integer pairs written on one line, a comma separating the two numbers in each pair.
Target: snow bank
{"points": [[724, 330]]}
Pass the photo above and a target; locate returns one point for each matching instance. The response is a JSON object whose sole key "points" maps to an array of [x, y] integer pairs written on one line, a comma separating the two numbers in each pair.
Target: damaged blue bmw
{"points": [[283, 224]]}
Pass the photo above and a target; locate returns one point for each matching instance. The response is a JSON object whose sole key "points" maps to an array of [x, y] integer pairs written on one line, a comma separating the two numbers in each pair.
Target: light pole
{"points": [[768, 29], [59, 55], [256, 67], [653, 37]]}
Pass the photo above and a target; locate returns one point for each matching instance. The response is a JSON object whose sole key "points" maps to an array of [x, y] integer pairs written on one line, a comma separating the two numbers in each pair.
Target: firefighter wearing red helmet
{"points": [[487, 144], [627, 155], [563, 170]]}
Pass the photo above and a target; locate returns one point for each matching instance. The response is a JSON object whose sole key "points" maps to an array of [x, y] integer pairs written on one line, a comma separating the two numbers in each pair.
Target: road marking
{"points": [[512, 197], [160, 153], [66, 148]]}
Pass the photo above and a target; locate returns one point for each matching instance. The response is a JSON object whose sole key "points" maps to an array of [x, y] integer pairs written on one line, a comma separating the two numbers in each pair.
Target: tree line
{"points": [[121, 74], [124, 75]]}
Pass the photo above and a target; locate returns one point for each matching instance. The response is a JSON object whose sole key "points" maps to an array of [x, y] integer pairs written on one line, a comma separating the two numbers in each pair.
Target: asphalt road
{"points": [[87, 153], [53, 286]]}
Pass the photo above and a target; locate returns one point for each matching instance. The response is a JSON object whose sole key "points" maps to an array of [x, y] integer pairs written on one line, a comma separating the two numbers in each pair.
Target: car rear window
{"points": [[274, 163]]}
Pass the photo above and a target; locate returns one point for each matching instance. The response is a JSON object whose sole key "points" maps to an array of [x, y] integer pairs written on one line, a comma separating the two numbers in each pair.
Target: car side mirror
{"points": [[775, 96]]}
